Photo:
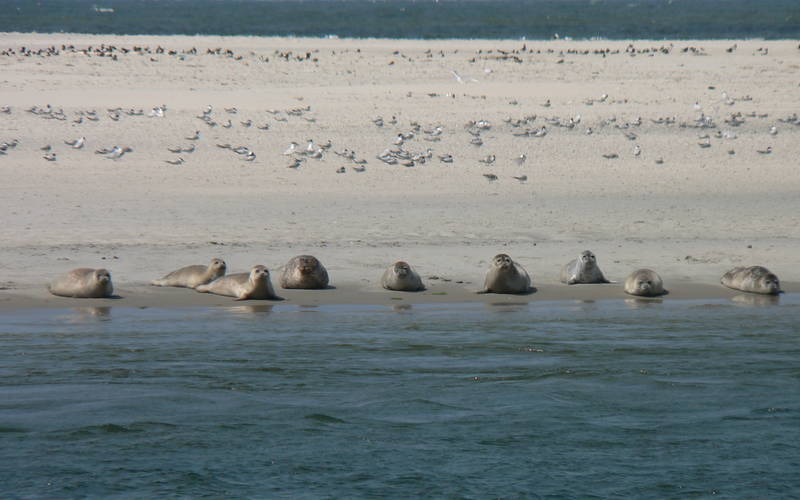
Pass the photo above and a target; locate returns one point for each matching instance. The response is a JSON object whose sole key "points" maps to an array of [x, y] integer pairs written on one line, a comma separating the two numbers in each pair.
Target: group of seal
{"points": [[505, 276]]}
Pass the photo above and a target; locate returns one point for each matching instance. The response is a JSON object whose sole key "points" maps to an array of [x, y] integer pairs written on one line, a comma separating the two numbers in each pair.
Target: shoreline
{"points": [[349, 294]]}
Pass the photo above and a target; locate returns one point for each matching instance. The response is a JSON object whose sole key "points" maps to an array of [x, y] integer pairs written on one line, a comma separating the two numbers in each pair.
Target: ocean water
{"points": [[531, 19], [606, 399]]}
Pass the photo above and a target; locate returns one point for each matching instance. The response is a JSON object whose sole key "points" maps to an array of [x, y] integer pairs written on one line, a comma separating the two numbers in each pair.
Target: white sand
{"points": [[691, 218]]}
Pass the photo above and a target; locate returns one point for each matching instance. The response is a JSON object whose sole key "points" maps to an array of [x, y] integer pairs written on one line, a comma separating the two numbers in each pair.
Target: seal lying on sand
{"points": [[506, 276], [193, 276], [582, 270], [83, 283], [645, 283], [399, 276], [754, 279], [253, 285], [304, 271]]}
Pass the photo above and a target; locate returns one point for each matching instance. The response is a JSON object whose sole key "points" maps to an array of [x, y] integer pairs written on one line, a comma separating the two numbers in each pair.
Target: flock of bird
{"points": [[412, 144]]}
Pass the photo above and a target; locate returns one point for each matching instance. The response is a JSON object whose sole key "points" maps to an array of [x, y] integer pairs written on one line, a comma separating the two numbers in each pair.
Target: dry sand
{"points": [[692, 217]]}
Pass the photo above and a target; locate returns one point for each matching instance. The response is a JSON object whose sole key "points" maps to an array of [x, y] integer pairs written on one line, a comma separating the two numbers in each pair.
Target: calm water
{"points": [[533, 19], [680, 399]]}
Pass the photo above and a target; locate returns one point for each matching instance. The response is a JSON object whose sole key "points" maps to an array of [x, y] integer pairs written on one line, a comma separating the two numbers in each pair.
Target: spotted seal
{"points": [[83, 283], [506, 276], [582, 270], [400, 277], [304, 271], [644, 283], [753, 279], [244, 286], [193, 276]]}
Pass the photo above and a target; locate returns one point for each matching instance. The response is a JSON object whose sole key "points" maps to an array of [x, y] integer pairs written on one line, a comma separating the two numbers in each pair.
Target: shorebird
{"points": [[773, 130], [227, 124], [521, 178], [45, 148], [224, 146], [171, 150], [250, 156], [359, 168], [476, 141], [194, 137], [263, 127], [491, 177], [49, 157], [637, 150], [292, 149], [117, 152], [706, 143], [446, 158], [541, 132], [519, 160], [247, 123], [296, 162], [341, 170], [659, 161], [77, 143], [488, 160], [765, 151], [179, 161], [610, 156]]}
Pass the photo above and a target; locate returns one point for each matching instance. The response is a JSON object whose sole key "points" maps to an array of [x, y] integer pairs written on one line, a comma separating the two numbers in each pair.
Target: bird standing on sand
{"points": [[77, 143]]}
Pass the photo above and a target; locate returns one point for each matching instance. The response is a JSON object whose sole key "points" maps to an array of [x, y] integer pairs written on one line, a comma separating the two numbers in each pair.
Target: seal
{"points": [[753, 279], [193, 276], [244, 286], [83, 283], [400, 277], [506, 276], [304, 271], [644, 283], [582, 270]]}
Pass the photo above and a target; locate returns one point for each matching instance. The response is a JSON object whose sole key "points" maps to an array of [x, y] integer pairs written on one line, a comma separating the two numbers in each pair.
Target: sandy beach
{"points": [[678, 156]]}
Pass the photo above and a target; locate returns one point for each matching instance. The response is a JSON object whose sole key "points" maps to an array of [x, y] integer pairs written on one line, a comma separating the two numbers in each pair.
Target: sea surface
{"points": [[562, 400], [463, 19]]}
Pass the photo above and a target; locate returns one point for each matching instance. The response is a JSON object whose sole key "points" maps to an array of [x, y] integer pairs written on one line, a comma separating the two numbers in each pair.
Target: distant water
{"points": [[680, 399], [532, 19]]}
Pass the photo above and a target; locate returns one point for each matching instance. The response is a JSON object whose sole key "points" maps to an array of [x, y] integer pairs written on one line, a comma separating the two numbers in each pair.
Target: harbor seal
{"points": [[400, 277], [304, 271], [193, 276], [754, 279], [253, 285], [506, 276], [582, 270], [644, 283], [83, 283]]}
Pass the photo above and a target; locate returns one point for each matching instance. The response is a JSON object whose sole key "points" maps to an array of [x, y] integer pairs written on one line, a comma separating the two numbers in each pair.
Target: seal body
{"points": [[399, 276], [83, 283], [304, 271], [644, 283], [582, 270], [253, 285], [754, 279], [506, 276], [193, 276]]}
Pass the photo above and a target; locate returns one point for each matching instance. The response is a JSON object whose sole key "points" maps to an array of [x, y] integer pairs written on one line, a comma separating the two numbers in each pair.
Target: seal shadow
{"points": [[756, 300]]}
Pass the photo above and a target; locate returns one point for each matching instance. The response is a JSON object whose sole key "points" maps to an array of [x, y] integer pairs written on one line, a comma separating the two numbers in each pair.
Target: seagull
{"points": [[765, 151], [519, 160], [224, 146], [637, 150], [227, 124], [521, 178], [461, 79], [341, 170], [610, 156], [359, 168], [179, 161], [49, 157], [446, 158], [171, 150], [194, 137], [263, 127], [296, 162], [250, 156], [773, 130], [117, 152], [291, 149], [491, 177], [247, 123], [705, 144], [488, 160], [190, 149], [77, 143]]}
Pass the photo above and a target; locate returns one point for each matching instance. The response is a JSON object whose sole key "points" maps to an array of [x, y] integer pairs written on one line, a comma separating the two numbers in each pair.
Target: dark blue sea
{"points": [[464, 19], [568, 400]]}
